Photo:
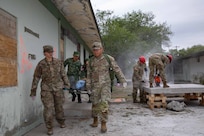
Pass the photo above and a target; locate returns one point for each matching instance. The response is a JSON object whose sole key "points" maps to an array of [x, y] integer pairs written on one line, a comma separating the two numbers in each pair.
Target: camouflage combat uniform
{"points": [[99, 82], [158, 61], [138, 83], [73, 73], [74, 70], [53, 80]]}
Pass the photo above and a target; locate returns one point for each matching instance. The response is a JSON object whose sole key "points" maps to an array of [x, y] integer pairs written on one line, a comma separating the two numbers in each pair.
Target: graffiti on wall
{"points": [[25, 63]]}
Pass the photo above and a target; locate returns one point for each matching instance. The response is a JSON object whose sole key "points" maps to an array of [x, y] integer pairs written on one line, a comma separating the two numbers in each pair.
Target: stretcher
{"points": [[80, 89]]}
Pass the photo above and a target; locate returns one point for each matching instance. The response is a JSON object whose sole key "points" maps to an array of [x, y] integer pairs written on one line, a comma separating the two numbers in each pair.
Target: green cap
{"points": [[76, 53], [48, 48]]}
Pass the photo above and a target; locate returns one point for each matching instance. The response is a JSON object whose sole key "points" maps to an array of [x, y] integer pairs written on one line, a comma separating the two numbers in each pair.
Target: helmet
{"points": [[170, 57], [142, 59]]}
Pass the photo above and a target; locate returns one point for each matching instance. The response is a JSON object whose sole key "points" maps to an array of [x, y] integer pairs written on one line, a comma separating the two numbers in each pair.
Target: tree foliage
{"points": [[133, 31], [185, 52], [131, 35]]}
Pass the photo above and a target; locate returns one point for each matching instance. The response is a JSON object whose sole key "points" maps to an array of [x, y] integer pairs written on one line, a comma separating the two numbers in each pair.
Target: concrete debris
{"points": [[176, 106]]}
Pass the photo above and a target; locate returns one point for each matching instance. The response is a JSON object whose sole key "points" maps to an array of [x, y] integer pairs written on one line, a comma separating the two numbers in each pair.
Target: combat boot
{"points": [[49, 131], [151, 85], [62, 125], [79, 98], [103, 127], [73, 96], [134, 97], [95, 122], [165, 85]]}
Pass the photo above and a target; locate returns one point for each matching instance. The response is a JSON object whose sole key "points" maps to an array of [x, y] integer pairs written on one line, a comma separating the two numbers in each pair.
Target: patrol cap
{"points": [[76, 53], [48, 48], [97, 45]]}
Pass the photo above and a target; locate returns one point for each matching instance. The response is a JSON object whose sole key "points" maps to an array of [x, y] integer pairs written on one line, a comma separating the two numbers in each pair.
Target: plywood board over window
{"points": [[8, 50]]}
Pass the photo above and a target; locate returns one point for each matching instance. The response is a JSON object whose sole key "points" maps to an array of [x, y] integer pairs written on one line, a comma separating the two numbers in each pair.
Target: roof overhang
{"points": [[78, 17]]}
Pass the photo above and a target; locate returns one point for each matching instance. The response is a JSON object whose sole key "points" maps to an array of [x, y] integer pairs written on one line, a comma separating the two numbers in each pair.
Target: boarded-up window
{"points": [[8, 50]]}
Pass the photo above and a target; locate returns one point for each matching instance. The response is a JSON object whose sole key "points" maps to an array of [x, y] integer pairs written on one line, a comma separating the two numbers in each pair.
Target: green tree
{"points": [[185, 52], [132, 35]]}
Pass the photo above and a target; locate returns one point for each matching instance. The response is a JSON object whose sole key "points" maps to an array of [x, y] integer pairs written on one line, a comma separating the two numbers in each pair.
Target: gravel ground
{"points": [[135, 119]]}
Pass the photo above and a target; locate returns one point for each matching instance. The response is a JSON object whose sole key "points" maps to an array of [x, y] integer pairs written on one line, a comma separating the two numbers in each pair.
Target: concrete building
{"points": [[189, 69], [25, 27]]}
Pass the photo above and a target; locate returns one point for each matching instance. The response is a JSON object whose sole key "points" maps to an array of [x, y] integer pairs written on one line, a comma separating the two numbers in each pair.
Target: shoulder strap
{"points": [[108, 59], [111, 72], [89, 63]]}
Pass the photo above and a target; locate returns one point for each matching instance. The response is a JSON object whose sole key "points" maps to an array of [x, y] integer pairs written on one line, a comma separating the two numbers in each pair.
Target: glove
{"points": [[124, 85]]}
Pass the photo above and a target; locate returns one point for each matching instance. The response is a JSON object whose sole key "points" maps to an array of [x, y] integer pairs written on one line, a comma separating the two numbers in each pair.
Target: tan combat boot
{"points": [[62, 125], [95, 122], [151, 85], [103, 127], [49, 131], [165, 85]]}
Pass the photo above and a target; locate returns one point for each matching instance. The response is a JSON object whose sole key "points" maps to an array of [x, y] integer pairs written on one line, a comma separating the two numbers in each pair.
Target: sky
{"points": [[184, 17]]}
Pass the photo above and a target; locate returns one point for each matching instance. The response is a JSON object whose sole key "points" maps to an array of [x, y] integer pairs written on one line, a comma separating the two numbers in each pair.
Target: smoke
{"points": [[128, 59]]}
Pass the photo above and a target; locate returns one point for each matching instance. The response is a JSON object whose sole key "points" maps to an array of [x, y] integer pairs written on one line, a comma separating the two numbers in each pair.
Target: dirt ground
{"points": [[136, 119]]}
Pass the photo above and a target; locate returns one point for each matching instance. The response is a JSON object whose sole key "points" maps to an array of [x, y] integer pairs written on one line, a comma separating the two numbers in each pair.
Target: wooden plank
{"points": [[202, 99], [7, 24], [156, 100], [8, 50], [156, 105], [192, 96], [8, 47]]}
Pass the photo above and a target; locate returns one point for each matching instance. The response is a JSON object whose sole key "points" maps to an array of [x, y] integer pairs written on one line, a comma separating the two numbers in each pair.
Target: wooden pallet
{"points": [[192, 96], [175, 97], [202, 99], [156, 101]]}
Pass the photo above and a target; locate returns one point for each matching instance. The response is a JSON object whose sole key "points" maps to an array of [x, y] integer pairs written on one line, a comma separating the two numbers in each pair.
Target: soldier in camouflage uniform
{"points": [[73, 73], [52, 73], [99, 82], [138, 82], [158, 61]]}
